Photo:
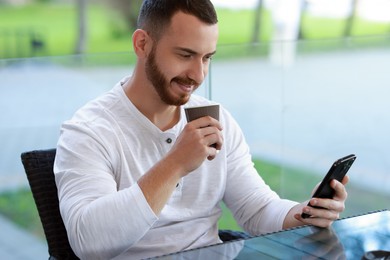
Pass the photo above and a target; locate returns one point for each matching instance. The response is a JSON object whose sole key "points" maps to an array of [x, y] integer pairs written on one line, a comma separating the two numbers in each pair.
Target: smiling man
{"points": [[135, 180]]}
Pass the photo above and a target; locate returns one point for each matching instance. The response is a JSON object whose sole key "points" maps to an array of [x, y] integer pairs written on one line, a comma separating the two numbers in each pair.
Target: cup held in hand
{"points": [[193, 113]]}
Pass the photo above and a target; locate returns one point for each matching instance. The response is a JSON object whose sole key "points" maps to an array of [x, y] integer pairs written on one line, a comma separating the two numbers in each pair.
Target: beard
{"points": [[161, 84]]}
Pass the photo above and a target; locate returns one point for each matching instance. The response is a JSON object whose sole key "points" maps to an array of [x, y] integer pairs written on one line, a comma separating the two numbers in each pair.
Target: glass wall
{"points": [[301, 106], [38, 94]]}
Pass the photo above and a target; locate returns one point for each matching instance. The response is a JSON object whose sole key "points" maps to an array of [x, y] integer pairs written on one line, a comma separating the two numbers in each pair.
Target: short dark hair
{"points": [[156, 15]]}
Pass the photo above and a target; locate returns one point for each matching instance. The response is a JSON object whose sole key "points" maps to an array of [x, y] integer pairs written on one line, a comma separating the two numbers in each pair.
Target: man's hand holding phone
{"points": [[322, 212], [329, 197]]}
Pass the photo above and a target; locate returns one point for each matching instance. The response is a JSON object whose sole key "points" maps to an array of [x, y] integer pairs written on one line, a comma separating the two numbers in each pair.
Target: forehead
{"points": [[187, 31]]}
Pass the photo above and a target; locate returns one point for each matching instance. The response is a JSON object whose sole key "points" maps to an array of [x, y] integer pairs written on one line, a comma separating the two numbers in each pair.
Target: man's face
{"points": [[162, 84], [179, 61]]}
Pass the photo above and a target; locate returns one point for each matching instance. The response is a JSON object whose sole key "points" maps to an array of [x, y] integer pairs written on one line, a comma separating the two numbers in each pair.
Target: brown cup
{"points": [[193, 113]]}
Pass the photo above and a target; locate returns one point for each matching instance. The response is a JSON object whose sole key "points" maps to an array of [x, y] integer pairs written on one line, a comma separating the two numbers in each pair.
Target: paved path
{"points": [[346, 93], [324, 107]]}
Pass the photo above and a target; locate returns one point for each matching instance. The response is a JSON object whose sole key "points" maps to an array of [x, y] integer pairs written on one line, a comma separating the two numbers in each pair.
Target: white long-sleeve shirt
{"points": [[108, 145]]}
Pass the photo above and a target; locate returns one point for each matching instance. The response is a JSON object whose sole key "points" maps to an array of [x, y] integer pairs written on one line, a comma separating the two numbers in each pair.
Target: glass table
{"points": [[348, 238]]}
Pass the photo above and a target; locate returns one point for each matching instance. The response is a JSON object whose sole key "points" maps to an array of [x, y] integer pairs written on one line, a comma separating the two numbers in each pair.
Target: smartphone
{"points": [[337, 171]]}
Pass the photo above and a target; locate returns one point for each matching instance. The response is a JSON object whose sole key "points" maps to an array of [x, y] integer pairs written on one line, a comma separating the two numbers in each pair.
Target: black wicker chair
{"points": [[38, 165], [39, 170]]}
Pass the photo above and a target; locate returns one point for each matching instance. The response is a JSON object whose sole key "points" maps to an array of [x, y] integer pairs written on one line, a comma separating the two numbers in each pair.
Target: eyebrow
{"points": [[193, 52]]}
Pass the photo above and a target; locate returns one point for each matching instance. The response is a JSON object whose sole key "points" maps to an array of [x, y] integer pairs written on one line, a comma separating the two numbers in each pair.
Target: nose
{"points": [[198, 70]]}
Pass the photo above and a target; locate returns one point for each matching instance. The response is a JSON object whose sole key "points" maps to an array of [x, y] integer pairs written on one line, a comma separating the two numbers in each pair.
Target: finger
{"points": [[345, 180], [315, 221], [340, 191], [322, 207], [214, 139], [205, 122], [337, 203], [212, 155], [212, 136], [327, 209], [214, 146]]}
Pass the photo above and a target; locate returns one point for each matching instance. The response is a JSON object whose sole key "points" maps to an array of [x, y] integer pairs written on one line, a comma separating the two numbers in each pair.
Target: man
{"points": [[135, 180]]}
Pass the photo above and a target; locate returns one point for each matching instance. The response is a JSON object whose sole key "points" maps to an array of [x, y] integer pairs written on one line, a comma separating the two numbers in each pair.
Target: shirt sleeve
{"points": [[101, 221], [254, 205]]}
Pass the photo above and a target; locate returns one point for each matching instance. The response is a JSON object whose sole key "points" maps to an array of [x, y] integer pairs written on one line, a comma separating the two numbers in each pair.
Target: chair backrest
{"points": [[38, 165], [39, 169]]}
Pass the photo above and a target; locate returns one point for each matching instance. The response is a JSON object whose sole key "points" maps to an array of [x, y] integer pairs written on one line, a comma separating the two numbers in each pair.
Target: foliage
{"points": [[314, 27], [297, 185], [19, 206], [108, 32], [290, 183], [128, 10]]}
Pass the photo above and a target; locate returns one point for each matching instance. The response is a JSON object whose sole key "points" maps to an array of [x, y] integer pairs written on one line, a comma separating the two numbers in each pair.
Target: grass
{"points": [[313, 27], [57, 26], [297, 185], [19, 205]]}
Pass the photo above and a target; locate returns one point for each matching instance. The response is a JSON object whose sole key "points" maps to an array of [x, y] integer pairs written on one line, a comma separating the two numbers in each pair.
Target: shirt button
{"points": [[169, 140]]}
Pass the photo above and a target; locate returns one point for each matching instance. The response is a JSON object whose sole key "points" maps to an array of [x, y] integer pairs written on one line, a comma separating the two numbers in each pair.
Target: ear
{"points": [[141, 43]]}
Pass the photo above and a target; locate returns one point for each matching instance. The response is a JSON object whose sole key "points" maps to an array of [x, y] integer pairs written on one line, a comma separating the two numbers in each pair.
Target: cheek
{"points": [[171, 69]]}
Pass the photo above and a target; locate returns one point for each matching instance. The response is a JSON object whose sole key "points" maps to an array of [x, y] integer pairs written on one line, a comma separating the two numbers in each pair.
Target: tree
{"points": [[304, 5], [128, 9], [257, 24], [81, 44], [351, 19]]}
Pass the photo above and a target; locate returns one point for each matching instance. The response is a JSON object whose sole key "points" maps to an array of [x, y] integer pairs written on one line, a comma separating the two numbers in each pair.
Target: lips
{"points": [[185, 85], [186, 88]]}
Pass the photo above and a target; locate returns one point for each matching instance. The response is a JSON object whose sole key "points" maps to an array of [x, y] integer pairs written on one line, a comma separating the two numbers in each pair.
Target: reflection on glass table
{"points": [[348, 238]]}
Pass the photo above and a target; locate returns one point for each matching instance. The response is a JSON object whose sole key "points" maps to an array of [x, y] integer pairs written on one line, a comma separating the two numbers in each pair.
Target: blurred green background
{"points": [[53, 28], [59, 28]]}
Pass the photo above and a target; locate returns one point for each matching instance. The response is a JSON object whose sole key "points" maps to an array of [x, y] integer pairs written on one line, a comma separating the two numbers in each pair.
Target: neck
{"points": [[147, 101]]}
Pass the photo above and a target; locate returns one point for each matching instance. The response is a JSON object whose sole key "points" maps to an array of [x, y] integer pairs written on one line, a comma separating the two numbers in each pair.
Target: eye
{"points": [[208, 58], [186, 56]]}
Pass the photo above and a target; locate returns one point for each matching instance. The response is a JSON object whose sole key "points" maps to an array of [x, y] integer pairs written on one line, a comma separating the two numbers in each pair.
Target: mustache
{"points": [[185, 81]]}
